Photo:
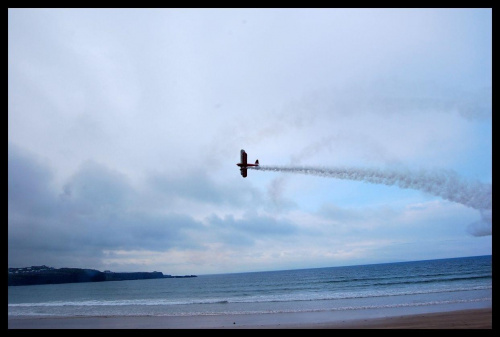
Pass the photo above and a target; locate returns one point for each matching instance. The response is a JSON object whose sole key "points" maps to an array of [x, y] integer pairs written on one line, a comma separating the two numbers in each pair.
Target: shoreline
{"points": [[459, 319]]}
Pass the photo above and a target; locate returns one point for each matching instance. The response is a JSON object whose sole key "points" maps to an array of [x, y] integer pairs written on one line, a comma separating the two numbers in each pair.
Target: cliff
{"points": [[48, 275]]}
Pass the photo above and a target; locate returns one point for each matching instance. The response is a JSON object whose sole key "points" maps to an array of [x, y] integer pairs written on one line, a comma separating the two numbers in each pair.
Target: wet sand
{"points": [[462, 319]]}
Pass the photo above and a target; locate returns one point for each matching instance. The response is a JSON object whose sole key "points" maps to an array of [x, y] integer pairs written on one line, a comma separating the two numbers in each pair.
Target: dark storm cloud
{"points": [[28, 182], [97, 188], [94, 212]]}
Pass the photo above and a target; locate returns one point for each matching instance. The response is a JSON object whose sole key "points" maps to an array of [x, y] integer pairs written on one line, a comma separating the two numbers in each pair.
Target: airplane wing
{"points": [[243, 172], [243, 158]]}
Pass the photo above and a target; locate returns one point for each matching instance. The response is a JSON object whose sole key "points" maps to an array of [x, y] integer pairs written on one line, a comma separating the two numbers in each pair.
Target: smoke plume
{"points": [[443, 183]]}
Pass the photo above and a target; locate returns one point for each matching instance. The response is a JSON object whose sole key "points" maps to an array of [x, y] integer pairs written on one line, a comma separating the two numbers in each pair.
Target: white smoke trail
{"points": [[445, 184], [482, 227]]}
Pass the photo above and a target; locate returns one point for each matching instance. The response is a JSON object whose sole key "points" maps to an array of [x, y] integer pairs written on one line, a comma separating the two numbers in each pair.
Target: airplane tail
{"points": [[257, 162]]}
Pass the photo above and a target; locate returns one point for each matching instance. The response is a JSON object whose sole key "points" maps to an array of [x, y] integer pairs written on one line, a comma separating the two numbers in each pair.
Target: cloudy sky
{"points": [[125, 125]]}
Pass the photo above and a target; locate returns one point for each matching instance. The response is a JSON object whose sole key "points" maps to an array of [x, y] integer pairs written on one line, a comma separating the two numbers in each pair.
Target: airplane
{"points": [[243, 163]]}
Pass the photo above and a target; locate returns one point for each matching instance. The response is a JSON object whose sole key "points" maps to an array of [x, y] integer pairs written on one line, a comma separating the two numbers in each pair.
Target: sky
{"points": [[125, 127]]}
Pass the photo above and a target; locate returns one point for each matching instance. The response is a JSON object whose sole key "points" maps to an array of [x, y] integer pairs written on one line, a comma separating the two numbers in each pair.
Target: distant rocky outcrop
{"points": [[48, 275]]}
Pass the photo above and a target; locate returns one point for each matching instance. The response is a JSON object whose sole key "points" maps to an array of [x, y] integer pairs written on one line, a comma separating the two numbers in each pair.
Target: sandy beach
{"points": [[461, 319]]}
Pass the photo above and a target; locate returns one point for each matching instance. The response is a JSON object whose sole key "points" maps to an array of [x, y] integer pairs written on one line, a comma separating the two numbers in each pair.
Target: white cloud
{"points": [[125, 126]]}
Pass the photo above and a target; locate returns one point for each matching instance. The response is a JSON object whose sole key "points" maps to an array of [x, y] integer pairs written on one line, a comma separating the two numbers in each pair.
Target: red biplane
{"points": [[243, 163]]}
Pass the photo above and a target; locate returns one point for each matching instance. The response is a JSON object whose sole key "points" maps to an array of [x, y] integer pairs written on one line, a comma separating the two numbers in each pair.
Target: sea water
{"points": [[381, 289]]}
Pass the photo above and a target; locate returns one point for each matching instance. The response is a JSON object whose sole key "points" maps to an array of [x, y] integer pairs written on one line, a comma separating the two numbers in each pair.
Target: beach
{"points": [[459, 319], [445, 293]]}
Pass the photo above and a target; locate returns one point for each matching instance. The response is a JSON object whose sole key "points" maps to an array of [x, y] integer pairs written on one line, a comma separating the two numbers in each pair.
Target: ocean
{"points": [[375, 290]]}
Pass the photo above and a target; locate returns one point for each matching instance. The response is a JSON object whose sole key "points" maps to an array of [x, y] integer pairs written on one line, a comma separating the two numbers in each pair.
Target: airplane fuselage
{"points": [[246, 165]]}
